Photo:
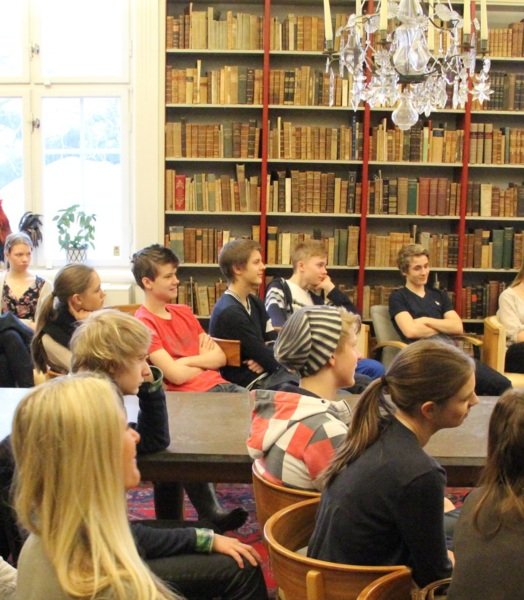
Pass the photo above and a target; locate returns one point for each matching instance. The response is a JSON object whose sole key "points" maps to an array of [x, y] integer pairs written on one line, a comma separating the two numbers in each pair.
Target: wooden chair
{"points": [[363, 341], [435, 590], [304, 578], [389, 342], [127, 308], [270, 497], [494, 349], [394, 586], [231, 349]]}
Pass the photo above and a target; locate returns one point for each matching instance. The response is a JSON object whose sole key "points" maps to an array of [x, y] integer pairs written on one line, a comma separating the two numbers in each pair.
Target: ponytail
{"points": [[427, 370], [43, 316], [367, 423]]}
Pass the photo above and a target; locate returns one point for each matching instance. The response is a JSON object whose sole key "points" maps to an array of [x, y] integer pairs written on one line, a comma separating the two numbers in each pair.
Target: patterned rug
{"points": [[140, 506]]}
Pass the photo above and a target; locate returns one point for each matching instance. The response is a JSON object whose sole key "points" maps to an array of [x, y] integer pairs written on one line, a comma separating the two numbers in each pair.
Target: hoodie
{"points": [[294, 436]]}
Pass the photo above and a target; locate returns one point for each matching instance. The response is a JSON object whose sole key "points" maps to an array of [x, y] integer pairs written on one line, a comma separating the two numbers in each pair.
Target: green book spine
{"points": [[507, 250]]}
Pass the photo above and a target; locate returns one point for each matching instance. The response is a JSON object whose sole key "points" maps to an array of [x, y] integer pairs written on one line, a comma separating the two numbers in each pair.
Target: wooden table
{"points": [[208, 439], [208, 433]]}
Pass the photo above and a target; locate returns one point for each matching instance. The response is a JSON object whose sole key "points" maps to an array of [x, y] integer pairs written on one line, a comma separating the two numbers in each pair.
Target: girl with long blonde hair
{"points": [[75, 456]]}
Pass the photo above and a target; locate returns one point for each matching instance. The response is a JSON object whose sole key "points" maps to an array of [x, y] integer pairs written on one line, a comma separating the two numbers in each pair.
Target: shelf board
{"points": [[492, 166], [195, 213], [199, 265], [305, 161], [331, 267], [311, 107], [205, 51], [218, 159], [321, 215], [396, 163], [495, 112], [459, 111], [439, 269], [214, 106], [501, 271], [411, 217], [479, 218]]}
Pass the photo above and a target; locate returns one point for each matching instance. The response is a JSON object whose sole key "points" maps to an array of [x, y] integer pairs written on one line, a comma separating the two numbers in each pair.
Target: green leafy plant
{"points": [[76, 229]]}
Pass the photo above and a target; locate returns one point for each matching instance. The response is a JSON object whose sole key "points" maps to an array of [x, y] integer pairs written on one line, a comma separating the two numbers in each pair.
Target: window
{"points": [[64, 130]]}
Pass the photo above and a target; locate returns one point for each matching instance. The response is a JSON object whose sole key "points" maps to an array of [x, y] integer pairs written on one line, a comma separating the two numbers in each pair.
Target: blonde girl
{"points": [[75, 456]]}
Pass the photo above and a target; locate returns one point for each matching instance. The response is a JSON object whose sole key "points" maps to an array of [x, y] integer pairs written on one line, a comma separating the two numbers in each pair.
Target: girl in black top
{"points": [[383, 501]]}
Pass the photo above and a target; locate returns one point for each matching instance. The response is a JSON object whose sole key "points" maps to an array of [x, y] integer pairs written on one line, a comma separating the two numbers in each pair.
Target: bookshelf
{"points": [[254, 149]]}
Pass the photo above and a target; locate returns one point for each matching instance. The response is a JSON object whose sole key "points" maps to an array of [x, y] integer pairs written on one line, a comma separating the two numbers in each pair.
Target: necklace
{"points": [[246, 305]]}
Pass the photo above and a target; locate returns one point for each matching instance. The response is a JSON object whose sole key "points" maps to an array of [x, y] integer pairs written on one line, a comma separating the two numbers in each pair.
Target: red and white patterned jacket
{"points": [[293, 437]]}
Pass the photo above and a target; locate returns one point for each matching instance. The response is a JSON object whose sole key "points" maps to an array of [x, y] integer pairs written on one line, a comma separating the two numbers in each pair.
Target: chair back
{"points": [[436, 590], [394, 586], [363, 340], [231, 348], [127, 308], [304, 578], [384, 332], [270, 497], [494, 346]]}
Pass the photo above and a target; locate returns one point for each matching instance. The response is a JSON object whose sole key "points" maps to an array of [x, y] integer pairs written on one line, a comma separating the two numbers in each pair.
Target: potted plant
{"points": [[76, 231]]}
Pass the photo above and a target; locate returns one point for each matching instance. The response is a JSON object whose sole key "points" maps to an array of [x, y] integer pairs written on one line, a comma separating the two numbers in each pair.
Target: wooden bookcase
{"points": [[294, 165]]}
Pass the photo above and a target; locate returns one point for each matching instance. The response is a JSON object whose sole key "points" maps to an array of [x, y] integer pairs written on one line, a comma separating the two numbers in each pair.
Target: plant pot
{"points": [[76, 255]]}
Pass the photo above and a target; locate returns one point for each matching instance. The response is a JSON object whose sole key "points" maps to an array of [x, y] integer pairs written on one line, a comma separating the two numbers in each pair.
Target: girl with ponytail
{"points": [[383, 498]]}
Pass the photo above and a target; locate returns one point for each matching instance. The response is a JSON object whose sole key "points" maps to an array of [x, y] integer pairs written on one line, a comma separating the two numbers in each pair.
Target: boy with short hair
{"points": [[311, 285], [420, 311], [240, 314], [188, 357]]}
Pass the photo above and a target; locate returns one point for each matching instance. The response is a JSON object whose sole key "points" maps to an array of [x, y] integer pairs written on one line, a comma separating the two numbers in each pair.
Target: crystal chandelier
{"points": [[411, 64]]}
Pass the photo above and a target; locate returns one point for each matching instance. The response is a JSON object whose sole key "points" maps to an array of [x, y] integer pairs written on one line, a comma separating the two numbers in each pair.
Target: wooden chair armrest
{"points": [[432, 591], [231, 349], [474, 341], [390, 344]]}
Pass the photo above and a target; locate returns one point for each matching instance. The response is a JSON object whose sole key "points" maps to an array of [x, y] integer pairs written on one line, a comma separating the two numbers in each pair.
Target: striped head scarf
{"points": [[309, 338]]}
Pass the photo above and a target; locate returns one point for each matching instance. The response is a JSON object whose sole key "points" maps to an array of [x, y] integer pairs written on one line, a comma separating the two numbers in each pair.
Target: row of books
{"points": [[313, 192], [297, 33], [210, 29], [490, 200], [422, 143], [497, 146], [310, 142], [222, 140], [201, 245], [439, 196], [480, 301], [382, 249], [307, 86], [341, 247], [209, 192], [425, 196], [323, 192], [507, 41], [231, 84], [201, 298], [493, 249], [508, 92]]}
